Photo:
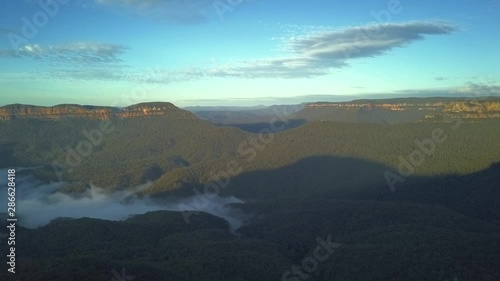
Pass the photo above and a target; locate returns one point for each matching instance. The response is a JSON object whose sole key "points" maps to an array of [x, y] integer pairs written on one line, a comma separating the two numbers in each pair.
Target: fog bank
{"points": [[38, 203]]}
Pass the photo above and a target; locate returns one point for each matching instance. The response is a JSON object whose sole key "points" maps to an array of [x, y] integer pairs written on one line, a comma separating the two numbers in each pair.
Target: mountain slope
{"points": [[175, 149]]}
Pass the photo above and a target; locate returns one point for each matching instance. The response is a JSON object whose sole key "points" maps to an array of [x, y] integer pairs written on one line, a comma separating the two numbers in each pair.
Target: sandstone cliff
{"points": [[20, 111], [470, 109]]}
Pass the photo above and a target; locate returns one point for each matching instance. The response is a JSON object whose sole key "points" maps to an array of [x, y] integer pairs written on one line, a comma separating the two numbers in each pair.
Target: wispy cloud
{"points": [[317, 53], [480, 89], [365, 41], [441, 78], [81, 53], [74, 61], [470, 90], [86, 73], [291, 67]]}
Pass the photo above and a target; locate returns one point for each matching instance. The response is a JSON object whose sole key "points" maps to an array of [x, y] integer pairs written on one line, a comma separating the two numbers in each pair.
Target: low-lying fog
{"points": [[38, 203]]}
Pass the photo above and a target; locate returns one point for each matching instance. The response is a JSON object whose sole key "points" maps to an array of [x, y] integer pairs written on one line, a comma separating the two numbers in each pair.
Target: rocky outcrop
{"points": [[17, 111], [473, 107], [154, 109], [20, 111]]}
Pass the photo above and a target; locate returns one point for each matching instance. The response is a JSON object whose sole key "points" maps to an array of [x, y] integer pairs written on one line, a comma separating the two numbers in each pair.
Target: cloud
{"points": [[317, 53], [480, 89], [441, 78], [365, 41], [82, 52], [170, 11], [471, 91], [113, 72], [74, 61], [298, 67], [85, 73]]}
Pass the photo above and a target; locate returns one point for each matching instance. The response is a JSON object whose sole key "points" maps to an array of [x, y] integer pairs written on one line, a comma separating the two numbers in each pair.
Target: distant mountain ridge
{"points": [[491, 104], [21, 111], [402, 110], [243, 115], [418, 108]]}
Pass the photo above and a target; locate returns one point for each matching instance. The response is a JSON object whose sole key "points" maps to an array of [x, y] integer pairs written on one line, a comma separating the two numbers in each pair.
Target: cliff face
{"points": [[60, 111], [488, 108], [473, 109], [19, 111]]}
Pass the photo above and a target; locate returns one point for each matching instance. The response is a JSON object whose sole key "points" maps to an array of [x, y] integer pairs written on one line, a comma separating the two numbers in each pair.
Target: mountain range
{"points": [[393, 191]]}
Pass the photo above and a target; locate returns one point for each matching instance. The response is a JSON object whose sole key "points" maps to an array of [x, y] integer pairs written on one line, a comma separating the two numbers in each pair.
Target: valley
{"points": [[188, 184], [232, 140]]}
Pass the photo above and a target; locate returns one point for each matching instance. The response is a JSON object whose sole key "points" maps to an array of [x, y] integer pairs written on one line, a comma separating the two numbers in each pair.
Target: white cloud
{"points": [[314, 54], [365, 41], [317, 53]]}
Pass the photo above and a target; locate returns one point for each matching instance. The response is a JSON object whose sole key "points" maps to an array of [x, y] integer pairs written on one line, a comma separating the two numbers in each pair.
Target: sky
{"points": [[245, 52]]}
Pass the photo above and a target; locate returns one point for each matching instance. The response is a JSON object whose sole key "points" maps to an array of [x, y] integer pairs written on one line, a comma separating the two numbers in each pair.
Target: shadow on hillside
{"points": [[311, 177], [476, 195], [6, 152], [259, 126], [363, 115]]}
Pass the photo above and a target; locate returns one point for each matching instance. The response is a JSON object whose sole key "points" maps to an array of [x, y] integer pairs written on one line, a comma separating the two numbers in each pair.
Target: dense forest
{"points": [[369, 241], [323, 200], [177, 153]]}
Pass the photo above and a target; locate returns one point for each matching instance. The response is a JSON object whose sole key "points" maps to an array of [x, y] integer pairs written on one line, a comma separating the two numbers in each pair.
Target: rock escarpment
{"points": [[433, 108], [20, 111]]}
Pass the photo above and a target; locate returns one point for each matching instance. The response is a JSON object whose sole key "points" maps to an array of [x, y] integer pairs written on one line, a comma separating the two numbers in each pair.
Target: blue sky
{"points": [[248, 52]]}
